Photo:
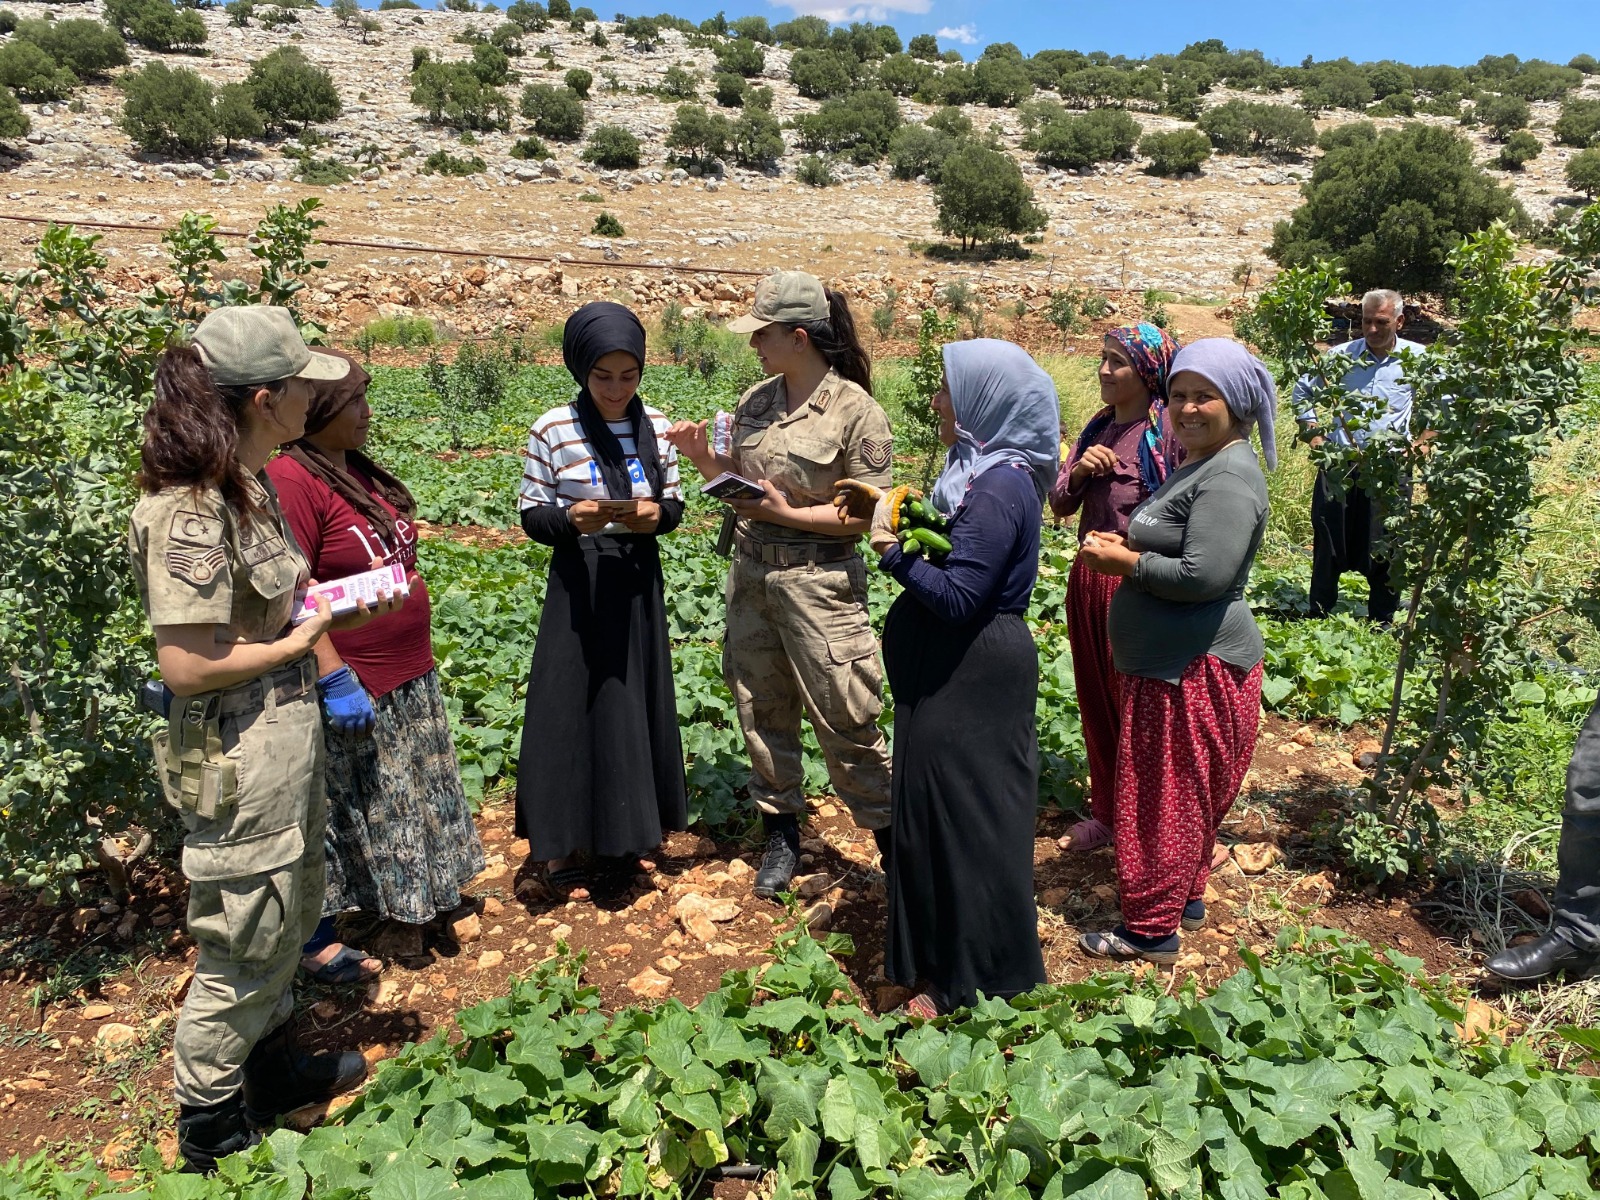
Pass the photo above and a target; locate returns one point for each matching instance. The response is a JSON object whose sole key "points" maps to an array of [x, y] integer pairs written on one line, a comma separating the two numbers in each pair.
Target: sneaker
{"points": [[1194, 915]]}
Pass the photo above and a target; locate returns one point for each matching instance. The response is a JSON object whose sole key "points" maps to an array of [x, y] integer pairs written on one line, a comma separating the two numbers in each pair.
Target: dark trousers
{"points": [[1344, 530], [1577, 902]]}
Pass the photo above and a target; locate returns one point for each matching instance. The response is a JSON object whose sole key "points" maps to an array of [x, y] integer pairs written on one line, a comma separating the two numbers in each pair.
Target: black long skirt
{"points": [[601, 770], [966, 790]]}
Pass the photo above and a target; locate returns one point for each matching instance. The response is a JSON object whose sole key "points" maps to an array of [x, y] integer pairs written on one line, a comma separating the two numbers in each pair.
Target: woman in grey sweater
{"points": [[1186, 647]]}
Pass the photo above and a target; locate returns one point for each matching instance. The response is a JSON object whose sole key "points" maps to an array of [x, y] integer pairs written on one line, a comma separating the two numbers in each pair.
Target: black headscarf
{"points": [[592, 332]]}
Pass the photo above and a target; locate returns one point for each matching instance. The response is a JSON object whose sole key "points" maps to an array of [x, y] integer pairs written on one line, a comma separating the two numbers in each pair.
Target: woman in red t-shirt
{"points": [[401, 842]]}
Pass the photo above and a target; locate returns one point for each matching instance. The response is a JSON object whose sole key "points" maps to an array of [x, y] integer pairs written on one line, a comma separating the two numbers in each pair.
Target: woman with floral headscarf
{"points": [[1121, 457], [1186, 647], [965, 675], [401, 842]]}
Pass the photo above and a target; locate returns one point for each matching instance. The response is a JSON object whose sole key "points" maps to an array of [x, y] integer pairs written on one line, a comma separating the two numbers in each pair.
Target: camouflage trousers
{"points": [[256, 876], [798, 639]]}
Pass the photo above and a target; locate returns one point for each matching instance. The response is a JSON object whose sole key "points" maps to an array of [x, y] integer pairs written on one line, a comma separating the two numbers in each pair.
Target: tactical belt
{"points": [[794, 554], [287, 683]]}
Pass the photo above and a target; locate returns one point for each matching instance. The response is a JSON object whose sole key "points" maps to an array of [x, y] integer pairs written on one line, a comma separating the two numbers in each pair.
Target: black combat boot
{"points": [[782, 854], [1536, 960], [279, 1077], [207, 1132]]}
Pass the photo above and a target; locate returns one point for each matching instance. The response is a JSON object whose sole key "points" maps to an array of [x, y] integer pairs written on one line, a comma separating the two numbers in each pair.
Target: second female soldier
{"points": [[798, 635], [241, 757]]}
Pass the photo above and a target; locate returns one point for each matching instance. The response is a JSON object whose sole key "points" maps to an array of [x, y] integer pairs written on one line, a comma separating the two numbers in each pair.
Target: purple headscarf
{"points": [[1243, 380]]}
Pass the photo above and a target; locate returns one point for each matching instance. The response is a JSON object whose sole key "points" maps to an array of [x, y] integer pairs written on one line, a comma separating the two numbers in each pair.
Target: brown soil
{"points": [[66, 1086]]}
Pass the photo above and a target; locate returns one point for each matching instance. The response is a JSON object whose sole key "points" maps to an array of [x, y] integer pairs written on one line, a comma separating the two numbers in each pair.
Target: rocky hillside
{"points": [[1112, 228]]}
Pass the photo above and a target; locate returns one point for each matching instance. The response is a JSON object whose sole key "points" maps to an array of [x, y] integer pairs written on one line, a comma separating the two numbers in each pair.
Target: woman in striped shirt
{"points": [[600, 779]]}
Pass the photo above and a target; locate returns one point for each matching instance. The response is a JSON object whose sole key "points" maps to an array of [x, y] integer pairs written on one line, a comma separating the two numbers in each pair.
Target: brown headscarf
{"points": [[329, 398]]}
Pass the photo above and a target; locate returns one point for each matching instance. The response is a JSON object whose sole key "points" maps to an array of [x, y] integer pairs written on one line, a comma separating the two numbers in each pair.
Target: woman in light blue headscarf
{"points": [[965, 676]]}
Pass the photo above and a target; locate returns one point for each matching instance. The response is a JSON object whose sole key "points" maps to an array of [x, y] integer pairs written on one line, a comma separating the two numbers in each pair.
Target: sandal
{"points": [[1086, 835], [1219, 855], [343, 968], [570, 882], [1115, 943]]}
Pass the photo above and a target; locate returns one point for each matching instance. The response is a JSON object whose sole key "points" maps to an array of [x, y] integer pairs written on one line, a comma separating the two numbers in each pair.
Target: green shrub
{"points": [[858, 126], [508, 36], [803, 33], [560, 10], [756, 140], [528, 15], [555, 112], [442, 162], [168, 111], [678, 84], [1583, 172], [453, 94], [460, 6], [754, 29], [236, 114], [320, 172], [290, 90], [904, 75], [157, 24], [643, 32], [1578, 122], [490, 64], [1520, 149], [759, 98], [729, 89], [8, 21], [605, 225], [86, 48], [529, 148], [14, 123], [579, 82], [1502, 115], [32, 74], [924, 46], [741, 57], [982, 196], [952, 121], [1001, 82], [612, 148], [919, 150], [1079, 142], [401, 331], [1177, 152], [698, 135], [1391, 206], [820, 74], [1246, 127], [815, 172], [390, 5]]}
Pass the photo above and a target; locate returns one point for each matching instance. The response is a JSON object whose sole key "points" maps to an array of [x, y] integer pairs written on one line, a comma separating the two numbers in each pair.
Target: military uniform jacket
{"points": [[197, 562], [839, 433]]}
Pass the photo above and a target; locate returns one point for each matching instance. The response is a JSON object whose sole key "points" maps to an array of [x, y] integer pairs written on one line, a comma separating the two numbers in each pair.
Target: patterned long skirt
{"points": [[1183, 756], [1099, 686], [401, 842]]}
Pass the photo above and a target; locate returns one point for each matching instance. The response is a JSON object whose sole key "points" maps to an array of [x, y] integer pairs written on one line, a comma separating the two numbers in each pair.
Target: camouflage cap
{"points": [[259, 343], [784, 298]]}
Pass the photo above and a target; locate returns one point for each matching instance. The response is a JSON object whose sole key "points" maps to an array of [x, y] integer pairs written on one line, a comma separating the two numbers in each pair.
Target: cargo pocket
{"points": [[244, 895], [855, 681]]}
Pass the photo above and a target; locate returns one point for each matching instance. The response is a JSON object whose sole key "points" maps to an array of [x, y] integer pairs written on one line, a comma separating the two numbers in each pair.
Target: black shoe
{"points": [[782, 855], [279, 1077], [207, 1132], [1536, 960]]}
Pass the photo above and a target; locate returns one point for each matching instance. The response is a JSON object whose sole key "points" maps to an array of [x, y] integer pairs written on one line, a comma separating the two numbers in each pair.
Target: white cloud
{"points": [[966, 34], [873, 10]]}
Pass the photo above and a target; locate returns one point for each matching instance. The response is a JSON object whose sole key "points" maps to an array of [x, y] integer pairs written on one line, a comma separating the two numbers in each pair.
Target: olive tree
{"points": [[982, 196]]}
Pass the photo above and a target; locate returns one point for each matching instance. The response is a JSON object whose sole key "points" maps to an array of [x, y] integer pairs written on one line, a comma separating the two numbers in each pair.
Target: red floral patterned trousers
{"points": [[1182, 757], [1099, 686]]}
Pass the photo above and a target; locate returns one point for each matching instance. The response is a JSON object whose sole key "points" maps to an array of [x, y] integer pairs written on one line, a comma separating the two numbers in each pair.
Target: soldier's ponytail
{"points": [[837, 341], [192, 429]]}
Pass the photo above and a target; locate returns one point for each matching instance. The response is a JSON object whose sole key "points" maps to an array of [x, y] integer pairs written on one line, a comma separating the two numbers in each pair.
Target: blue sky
{"points": [[1443, 31]]}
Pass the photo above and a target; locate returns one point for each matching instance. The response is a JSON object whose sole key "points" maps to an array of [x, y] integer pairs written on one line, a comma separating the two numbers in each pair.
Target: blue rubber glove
{"points": [[346, 703]]}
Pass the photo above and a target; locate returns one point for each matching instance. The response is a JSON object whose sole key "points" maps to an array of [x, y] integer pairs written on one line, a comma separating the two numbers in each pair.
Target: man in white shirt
{"points": [[1344, 528]]}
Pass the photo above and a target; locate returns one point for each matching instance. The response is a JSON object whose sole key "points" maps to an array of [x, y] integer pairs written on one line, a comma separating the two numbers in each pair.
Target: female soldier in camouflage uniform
{"points": [[241, 757], [798, 633]]}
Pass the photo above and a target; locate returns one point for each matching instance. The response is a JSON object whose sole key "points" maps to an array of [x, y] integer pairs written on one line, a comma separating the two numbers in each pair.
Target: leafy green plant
{"points": [[815, 171], [605, 225], [442, 162]]}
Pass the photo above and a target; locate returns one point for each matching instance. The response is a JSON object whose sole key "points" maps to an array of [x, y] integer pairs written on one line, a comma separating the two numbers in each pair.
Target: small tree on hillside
{"points": [[1520, 149], [612, 148], [14, 122], [1078, 142], [291, 91], [86, 48], [555, 112], [1502, 115], [236, 115], [32, 74], [1176, 152], [982, 196], [1392, 206], [157, 25], [167, 111], [1246, 127], [698, 135], [756, 140], [820, 74], [741, 57], [578, 82], [1583, 172], [1578, 123]]}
